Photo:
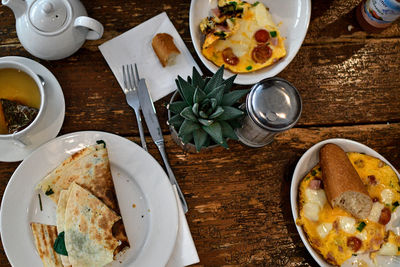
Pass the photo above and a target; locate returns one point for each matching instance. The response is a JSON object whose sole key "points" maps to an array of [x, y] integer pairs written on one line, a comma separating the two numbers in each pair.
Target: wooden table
{"points": [[239, 207]]}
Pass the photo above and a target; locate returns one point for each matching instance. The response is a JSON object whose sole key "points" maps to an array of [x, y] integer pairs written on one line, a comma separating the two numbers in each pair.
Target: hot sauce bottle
{"points": [[376, 15]]}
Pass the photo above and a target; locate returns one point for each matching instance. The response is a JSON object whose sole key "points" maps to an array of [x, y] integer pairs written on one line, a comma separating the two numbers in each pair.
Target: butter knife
{"points": [[150, 116]]}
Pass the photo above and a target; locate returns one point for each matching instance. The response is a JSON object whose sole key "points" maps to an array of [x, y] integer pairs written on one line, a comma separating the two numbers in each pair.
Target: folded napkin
{"points": [[134, 46], [185, 252]]}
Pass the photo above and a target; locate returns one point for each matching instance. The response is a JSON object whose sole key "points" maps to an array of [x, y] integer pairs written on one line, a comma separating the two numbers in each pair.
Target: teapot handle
{"points": [[95, 28]]}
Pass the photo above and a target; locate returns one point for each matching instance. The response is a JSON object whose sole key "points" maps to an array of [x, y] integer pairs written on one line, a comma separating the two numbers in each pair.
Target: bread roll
{"points": [[165, 49], [343, 185]]}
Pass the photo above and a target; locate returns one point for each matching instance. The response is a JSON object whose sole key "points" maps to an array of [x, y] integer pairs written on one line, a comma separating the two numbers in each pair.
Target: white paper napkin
{"points": [[134, 46], [185, 252]]}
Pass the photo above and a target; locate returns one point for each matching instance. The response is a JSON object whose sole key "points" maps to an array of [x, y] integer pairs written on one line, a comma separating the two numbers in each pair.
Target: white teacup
{"points": [[21, 138]]}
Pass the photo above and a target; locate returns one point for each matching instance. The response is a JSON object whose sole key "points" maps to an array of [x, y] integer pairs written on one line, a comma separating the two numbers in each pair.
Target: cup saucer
{"points": [[53, 115]]}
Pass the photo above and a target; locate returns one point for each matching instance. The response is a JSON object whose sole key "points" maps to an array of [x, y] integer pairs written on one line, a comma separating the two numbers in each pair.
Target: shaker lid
{"points": [[274, 104], [48, 15]]}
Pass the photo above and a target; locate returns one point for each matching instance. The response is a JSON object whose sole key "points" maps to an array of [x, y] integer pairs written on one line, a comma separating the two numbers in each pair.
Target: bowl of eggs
{"points": [[255, 39]]}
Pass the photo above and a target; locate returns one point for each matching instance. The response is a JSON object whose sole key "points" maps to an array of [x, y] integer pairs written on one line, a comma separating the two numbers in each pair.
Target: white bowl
{"points": [[306, 163], [292, 15]]}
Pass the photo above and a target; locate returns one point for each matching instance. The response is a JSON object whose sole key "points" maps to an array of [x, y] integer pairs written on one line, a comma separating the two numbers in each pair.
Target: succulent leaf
{"points": [[177, 107], [195, 109], [199, 95], [197, 81], [229, 83], [216, 113], [215, 81], [213, 103], [215, 131], [200, 137], [227, 130], [189, 80], [188, 114], [186, 90], [188, 127], [217, 93], [187, 138], [203, 115], [206, 122], [176, 121], [230, 98], [230, 113]]}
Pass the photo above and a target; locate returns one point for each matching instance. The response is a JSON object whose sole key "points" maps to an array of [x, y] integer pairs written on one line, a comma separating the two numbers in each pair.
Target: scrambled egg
{"points": [[242, 36], [335, 233]]}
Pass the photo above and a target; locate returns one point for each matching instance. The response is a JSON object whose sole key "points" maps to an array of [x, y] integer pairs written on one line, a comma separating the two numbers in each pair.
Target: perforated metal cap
{"points": [[274, 104]]}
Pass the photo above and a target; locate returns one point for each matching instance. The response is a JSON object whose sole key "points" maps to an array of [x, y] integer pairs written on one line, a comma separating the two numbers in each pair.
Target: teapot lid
{"points": [[48, 15]]}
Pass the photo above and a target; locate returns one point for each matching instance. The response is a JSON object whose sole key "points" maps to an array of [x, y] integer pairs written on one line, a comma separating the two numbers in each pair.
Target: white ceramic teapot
{"points": [[53, 29]]}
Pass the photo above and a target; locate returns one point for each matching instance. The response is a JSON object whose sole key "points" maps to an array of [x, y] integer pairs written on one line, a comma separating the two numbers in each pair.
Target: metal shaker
{"points": [[273, 105]]}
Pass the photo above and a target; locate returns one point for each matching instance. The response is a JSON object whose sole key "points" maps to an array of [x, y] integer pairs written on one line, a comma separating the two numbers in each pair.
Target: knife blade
{"points": [[150, 117]]}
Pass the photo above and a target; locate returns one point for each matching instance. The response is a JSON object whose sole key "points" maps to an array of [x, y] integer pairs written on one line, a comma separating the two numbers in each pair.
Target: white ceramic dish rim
{"points": [[261, 74], [299, 174], [155, 229]]}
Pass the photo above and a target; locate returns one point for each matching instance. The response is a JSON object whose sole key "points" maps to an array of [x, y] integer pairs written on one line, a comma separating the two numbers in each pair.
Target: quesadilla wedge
{"points": [[88, 229], [44, 237], [89, 168], [60, 214]]}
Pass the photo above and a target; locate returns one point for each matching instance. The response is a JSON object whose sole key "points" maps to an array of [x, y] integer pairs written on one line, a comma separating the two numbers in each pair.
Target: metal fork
{"points": [[130, 90]]}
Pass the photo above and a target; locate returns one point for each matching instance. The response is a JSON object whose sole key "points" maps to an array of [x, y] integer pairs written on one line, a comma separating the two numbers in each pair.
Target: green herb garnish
{"points": [[101, 142], [395, 205], [273, 33], [49, 191], [220, 34], [249, 67], [59, 245], [40, 202], [361, 226], [256, 3], [398, 248], [313, 173]]}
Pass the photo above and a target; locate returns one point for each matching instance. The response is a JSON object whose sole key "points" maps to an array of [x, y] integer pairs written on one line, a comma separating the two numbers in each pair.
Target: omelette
{"points": [[338, 236], [241, 36]]}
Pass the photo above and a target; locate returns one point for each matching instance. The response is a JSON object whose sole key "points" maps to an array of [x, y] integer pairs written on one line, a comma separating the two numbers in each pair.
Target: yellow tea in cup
{"points": [[16, 85]]}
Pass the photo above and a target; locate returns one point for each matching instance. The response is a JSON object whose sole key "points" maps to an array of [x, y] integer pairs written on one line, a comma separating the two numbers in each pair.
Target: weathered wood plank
{"points": [[239, 207]]}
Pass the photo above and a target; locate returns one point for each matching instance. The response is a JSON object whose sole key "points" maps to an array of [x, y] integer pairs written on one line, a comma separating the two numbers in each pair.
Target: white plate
{"points": [[294, 16], [51, 122], [139, 180], [305, 164]]}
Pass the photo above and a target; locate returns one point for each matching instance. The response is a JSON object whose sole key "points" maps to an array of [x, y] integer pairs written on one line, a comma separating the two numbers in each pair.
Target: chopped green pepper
{"points": [[361, 226], [273, 34], [249, 67]]}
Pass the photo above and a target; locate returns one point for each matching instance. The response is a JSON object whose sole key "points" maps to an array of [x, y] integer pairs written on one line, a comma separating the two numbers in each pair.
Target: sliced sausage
{"points": [[261, 53], [354, 243], [229, 57], [261, 36], [385, 216]]}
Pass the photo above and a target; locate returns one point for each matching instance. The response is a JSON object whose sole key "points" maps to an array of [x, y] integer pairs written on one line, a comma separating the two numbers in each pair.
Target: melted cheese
{"points": [[316, 196], [387, 196], [347, 224], [388, 249], [311, 211], [375, 212], [323, 229]]}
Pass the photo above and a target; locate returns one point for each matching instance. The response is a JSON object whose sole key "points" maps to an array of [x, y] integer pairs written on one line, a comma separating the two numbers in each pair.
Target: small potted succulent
{"points": [[204, 112]]}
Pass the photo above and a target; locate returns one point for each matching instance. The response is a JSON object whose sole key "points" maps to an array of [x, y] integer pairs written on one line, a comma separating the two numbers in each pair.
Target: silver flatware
{"points": [[130, 90], [150, 116]]}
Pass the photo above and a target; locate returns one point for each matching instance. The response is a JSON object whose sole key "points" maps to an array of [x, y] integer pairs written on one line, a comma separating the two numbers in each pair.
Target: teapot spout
{"points": [[17, 6]]}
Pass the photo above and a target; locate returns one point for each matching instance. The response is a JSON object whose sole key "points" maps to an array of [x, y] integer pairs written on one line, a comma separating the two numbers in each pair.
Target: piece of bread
{"points": [[165, 49], [342, 184]]}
